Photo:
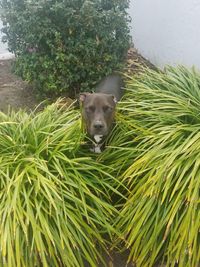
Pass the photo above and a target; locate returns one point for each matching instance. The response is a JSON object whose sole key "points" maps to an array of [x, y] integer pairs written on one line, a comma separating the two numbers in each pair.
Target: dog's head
{"points": [[98, 112]]}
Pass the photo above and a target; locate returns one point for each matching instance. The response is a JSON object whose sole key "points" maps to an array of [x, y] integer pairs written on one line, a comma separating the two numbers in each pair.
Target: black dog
{"points": [[98, 109]]}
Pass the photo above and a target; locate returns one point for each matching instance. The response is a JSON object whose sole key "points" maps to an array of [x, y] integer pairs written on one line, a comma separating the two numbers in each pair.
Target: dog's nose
{"points": [[98, 125]]}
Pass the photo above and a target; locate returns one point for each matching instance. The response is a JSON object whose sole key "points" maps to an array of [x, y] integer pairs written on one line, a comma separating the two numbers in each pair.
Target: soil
{"points": [[13, 91], [17, 94]]}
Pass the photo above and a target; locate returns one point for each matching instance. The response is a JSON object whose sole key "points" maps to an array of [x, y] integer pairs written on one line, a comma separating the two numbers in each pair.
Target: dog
{"points": [[98, 108]]}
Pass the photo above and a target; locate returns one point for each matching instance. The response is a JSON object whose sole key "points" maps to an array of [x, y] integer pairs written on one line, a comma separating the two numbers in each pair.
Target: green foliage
{"points": [[55, 206], [66, 44], [160, 220]]}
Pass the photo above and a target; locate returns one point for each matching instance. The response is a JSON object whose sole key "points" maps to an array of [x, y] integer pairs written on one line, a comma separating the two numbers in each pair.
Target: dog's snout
{"points": [[98, 125]]}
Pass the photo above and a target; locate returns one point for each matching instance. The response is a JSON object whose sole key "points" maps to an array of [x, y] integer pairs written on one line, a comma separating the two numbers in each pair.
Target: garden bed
{"points": [[17, 94]]}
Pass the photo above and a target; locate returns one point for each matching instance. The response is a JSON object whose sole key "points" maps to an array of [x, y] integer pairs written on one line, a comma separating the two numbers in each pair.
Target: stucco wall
{"points": [[3, 47], [4, 54], [167, 31]]}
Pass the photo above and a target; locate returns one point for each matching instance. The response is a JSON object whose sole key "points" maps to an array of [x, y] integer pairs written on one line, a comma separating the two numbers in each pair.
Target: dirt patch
{"points": [[13, 91], [136, 62]]}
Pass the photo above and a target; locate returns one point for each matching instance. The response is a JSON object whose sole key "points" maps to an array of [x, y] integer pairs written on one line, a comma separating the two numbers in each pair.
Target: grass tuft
{"points": [[160, 220], [54, 206]]}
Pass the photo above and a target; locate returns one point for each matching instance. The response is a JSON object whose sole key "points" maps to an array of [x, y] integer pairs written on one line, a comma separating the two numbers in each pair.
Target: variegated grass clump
{"points": [[161, 219], [54, 205]]}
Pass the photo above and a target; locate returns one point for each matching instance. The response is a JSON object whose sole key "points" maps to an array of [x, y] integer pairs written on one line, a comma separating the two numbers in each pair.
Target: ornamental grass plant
{"points": [[160, 220], [54, 206]]}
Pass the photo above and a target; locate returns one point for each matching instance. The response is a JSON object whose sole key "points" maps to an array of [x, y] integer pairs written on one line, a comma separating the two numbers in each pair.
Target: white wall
{"points": [[4, 54], [167, 31], [2, 46]]}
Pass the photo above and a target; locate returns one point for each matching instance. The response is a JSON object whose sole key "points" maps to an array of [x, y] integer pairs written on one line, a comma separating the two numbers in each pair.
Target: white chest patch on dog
{"points": [[98, 138], [97, 149]]}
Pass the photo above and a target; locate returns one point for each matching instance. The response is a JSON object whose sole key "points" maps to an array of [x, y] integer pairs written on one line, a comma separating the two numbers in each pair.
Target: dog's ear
{"points": [[114, 99], [82, 97]]}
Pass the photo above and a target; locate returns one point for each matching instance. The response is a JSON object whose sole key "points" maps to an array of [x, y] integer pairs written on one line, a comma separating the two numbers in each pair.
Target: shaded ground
{"points": [[17, 94], [13, 91], [135, 61]]}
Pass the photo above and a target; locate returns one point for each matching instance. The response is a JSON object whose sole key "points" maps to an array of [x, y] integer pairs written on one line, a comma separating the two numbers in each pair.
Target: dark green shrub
{"points": [[66, 44]]}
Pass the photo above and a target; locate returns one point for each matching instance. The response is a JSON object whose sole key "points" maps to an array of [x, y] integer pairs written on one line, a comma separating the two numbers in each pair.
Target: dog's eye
{"points": [[90, 109], [107, 109]]}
